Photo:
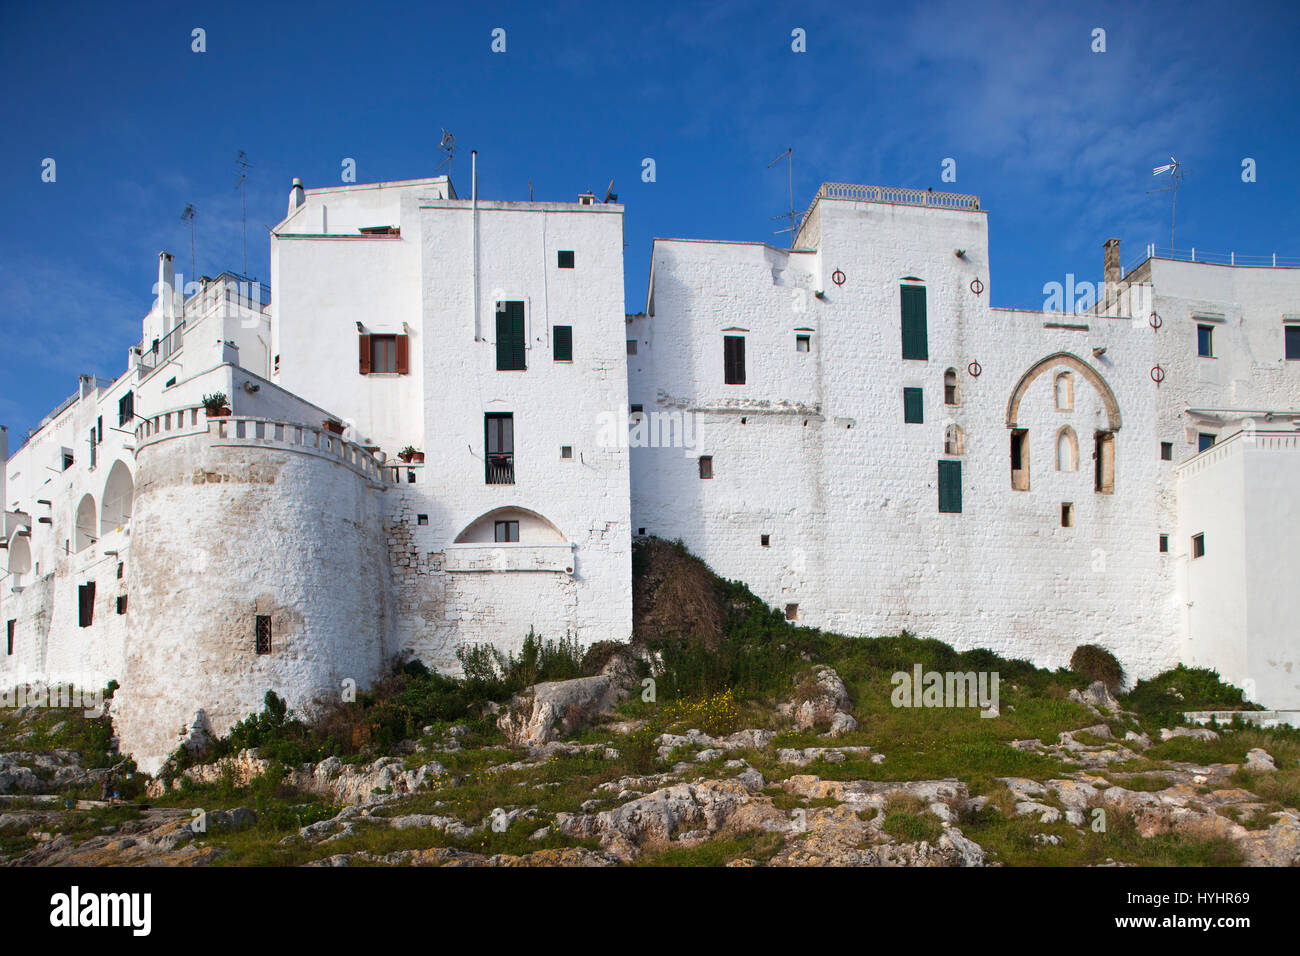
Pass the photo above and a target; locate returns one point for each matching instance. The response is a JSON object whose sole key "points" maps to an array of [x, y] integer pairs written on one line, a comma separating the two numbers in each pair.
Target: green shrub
{"points": [[1097, 664]]}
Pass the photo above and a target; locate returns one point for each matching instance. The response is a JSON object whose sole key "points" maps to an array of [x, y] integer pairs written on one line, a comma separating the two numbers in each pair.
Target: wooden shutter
{"points": [[403, 355], [365, 353], [915, 339], [950, 487], [913, 406], [510, 337], [562, 339], [517, 334], [86, 604], [733, 359]]}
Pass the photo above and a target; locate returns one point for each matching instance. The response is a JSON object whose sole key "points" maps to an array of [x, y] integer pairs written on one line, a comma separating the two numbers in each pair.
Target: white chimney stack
{"points": [[297, 195], [167, 290]]}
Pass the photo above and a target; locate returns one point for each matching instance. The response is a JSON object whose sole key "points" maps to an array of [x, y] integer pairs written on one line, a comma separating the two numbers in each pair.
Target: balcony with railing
{"points": [[501, 469], [898, 196], [156, 351]]}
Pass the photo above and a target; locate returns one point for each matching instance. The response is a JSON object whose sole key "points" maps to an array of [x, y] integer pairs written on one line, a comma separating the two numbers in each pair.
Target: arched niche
{"points": [[531, 528], [1074, 363], [20, 560], [119, 494], [1067, 450], [86, 527]]}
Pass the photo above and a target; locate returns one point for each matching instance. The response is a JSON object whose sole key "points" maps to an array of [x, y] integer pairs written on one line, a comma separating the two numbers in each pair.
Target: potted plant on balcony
{"points": [[409, 454], [215, 405]]}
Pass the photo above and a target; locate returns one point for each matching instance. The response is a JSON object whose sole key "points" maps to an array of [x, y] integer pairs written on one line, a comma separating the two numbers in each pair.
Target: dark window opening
{"points": [[1198, 545], [121, 604], [1164, 544], [125, 409], [421, 519], [950, 394], [1292, 335], [566, 452], [765, 540], [86, 604], [9, 627], [511, 341], [500, 444], [562, 342], [631, 346], [733, 356], [120, 568], [1104, 460], [566, 259], [262, 634], [803, 342], [507, 532], [383, 353], [1205, 341], [706, 466], [410, 476], [913, 406], [1067, 515], [792, 612], [1166, 451], [915, 336], [1204, 440], [67, 460]]}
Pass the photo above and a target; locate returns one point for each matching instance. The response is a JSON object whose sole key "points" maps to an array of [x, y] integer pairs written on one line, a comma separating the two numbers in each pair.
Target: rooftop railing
{"points": [[1192, 254], [898, 195]]}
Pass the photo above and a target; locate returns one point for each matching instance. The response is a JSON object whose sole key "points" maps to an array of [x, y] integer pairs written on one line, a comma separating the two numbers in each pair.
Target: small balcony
{"points": [[501, 469]]}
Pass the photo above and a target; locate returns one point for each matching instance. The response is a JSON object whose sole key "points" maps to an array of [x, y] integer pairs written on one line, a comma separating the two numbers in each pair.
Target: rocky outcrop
{"points": [[820, 699], [556, 709]]}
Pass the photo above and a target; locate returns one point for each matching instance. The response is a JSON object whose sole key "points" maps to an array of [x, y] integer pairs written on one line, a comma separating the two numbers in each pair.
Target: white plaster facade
{"points": [[292, 519]]}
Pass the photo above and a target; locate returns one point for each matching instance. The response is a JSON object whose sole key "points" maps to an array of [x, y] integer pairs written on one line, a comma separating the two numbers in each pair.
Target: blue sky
{"points": [[1058, 141]]}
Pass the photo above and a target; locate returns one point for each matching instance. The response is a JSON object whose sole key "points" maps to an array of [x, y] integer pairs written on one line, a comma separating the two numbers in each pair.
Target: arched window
{"points": [[85, 534], [1064, 392], [951, 393], [1067, 450], [20, 560], [119, 492], [954, 441]]}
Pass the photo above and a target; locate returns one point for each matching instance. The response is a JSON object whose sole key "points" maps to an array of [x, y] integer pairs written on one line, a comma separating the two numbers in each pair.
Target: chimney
{"points": [[1112, 271], [297, 195], [167, 290]]}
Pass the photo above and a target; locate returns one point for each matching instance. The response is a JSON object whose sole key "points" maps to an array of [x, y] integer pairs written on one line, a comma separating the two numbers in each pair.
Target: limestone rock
{"points": [[819, 698], [558, 708], [1259, 759]]}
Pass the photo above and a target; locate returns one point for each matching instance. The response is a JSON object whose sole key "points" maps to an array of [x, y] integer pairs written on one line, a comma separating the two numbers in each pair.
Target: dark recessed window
{"points": [[1205, 341], [631, 346], [802, 342], [262, 634], [410, 476], [1166, 451], [86, 604], [9, 628], [566, 452], [1067, 515], [1292, 334], [765, 540], [1164, 544], [562, 342], [792, 612], [383, 353], [1198, 545], [913, 406], [733, 359], [566, 259], [507, 532], [1204, 440], [640, 530], [706, 466], [121, 604], [500, 443], [125, 409], [421, 519], [120, 569]]}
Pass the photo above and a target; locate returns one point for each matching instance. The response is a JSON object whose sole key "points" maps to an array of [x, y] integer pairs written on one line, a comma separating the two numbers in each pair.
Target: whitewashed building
{"points": [[444, 430]]}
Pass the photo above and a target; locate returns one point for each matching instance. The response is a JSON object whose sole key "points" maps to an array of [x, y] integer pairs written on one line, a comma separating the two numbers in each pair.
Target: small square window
{"points": [[638, 409], [1198, 545], [1205, 341], [792, 612], [1292, 335], [262, 634], [566, 452], [566, 259], [706, 466], [1166, 451], [1067, 515], [1164, 544], [640, 531], [803, 342], [507, 532], [631, 346], [765, 540], [1204, 440], [421, 519]]}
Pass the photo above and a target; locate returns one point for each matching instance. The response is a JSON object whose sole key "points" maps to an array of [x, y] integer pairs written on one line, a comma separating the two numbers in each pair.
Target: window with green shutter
{"points": [[950, 487], [562, 342], [733, 359], [915, 340], [913, 406], [510, 336]]}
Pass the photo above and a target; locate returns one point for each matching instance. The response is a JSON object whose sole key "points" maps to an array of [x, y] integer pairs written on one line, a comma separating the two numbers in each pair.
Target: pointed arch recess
{"points": [[1077, 364]]}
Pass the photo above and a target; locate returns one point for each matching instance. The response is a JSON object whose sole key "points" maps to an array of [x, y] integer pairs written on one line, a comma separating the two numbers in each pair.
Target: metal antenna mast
{"points": [[788, 156], [243, 166], [1175, 170], [448, 146], [188, 216]]}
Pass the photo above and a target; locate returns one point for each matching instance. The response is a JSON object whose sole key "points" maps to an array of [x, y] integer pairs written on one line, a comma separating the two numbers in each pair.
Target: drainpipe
{"points": [[473, 167]]}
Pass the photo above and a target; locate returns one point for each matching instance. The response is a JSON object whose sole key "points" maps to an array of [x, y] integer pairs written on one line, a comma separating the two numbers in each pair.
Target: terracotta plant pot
{"points": [[222, 412], [419, 457]]}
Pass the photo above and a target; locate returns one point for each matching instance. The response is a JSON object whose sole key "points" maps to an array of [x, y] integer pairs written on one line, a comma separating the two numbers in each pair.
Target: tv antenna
{"points": [[1175, 170], [243, 165], [448, 147], [188, 216], [788, 156]]}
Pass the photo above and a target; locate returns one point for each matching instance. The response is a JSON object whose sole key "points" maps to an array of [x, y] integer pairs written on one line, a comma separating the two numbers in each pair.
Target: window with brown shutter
{"points": [[403, 355], [365, 353]]}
